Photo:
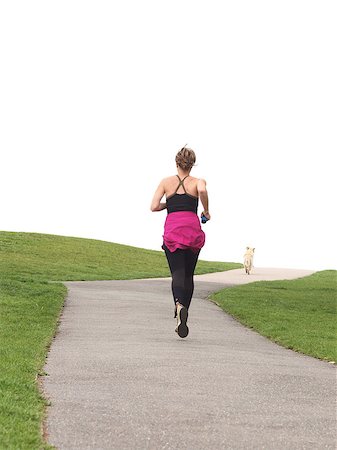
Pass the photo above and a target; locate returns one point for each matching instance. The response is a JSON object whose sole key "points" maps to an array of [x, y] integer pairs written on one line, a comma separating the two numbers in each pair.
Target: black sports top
{"points": [[181, 202]]}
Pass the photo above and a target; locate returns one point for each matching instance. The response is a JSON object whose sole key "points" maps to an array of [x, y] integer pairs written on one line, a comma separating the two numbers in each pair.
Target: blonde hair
{"points": [[185, 158]]}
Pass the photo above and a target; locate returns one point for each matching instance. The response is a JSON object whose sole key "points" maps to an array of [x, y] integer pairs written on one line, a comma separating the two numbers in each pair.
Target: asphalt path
{"points": [[119, 377]]}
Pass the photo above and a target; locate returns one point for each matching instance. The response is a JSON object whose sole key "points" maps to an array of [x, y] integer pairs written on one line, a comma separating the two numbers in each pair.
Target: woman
{"points": [[183, 236]]}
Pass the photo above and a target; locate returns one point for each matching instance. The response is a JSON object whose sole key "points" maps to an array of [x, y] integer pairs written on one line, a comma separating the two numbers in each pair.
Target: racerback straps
{"points": [[181, 183]]}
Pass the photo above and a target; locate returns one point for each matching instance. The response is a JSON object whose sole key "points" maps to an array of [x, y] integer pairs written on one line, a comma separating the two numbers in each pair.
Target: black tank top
{"points": [[181, 202]]}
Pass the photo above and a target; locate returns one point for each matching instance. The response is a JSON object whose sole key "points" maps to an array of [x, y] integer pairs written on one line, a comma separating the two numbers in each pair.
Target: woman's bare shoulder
{"points": [[193, 178], [166, 180], [169, 180], [195, 181]]}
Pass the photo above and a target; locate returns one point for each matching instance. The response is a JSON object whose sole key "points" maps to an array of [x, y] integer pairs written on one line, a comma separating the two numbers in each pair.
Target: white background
{"points": [[98, 96]]}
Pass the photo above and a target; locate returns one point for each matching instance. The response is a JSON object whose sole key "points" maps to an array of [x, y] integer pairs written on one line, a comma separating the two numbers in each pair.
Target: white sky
{"points": [[96, 98]]}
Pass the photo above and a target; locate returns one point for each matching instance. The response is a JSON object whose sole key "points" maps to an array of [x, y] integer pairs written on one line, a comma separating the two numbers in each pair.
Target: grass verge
{"points": [[28, 316], [298, 314], [30, 307]]}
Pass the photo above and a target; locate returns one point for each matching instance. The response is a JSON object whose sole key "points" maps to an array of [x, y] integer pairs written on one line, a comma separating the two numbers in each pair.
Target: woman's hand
{"points": [[207, 215], [161, 206]]}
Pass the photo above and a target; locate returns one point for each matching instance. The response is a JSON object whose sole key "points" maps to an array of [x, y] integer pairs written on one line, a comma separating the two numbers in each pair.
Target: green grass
{"points": [[28, 313], [30, 307], [43, 257], [298, 314]]}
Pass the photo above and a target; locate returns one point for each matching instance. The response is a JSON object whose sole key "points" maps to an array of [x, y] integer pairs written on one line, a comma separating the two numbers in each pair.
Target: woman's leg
{"points": [[191, 259], [182, 264], [176, 262]]}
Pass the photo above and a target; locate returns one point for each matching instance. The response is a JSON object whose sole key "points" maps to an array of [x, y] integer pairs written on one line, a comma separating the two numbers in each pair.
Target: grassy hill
{"points": [[44, 257], [30, 307]]}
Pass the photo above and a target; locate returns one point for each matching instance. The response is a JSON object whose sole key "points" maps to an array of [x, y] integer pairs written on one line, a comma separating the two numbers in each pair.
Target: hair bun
{"points": [[185, 158]]}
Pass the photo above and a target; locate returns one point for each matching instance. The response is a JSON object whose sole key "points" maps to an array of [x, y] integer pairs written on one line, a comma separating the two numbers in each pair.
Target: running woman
{"points": [[183, 236]]}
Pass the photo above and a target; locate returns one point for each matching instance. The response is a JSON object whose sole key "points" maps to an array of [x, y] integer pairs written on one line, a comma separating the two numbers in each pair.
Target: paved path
{"points": [[120, 378]]}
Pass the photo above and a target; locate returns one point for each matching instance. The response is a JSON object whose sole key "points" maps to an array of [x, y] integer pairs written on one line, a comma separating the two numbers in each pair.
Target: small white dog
{"points": [[248, 259]]}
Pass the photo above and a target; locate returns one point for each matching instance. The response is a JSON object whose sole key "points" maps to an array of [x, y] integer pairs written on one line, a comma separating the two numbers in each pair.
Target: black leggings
{"points": [[182, 264]]}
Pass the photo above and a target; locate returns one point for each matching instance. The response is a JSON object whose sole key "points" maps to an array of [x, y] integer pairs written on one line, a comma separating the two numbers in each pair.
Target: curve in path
{"points": [[120, 378]]}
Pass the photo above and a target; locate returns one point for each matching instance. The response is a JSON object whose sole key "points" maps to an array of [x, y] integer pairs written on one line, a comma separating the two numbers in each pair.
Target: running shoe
{"points": [[182, 314]]}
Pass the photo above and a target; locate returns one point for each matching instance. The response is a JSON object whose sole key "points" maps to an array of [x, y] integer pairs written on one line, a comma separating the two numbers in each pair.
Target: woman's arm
{"points": [[156, 205], [202, 192]]}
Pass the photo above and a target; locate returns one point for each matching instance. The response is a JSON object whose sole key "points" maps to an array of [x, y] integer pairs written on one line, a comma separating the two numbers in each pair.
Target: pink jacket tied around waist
{"points": [[183, 230]]}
